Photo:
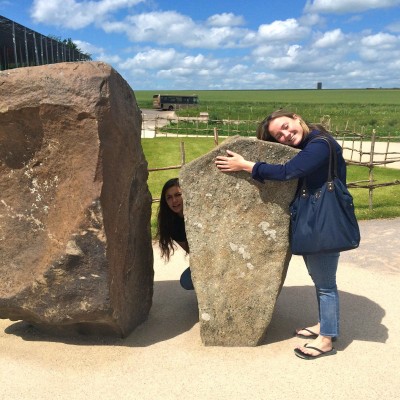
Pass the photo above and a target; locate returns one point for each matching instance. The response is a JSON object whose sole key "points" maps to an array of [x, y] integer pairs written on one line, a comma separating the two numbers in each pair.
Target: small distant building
{"points": [[319, 85]]}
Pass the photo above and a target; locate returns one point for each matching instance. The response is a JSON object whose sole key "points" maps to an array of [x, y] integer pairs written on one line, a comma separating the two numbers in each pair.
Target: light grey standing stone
{"points": [[238, 233]]}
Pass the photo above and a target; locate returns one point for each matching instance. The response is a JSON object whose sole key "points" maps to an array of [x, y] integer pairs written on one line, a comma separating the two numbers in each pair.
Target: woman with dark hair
{"points": [[312, 163], [171, 226]]}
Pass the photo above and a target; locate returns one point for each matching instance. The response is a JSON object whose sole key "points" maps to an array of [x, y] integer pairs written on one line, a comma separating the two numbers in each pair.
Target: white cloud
{"points": [[312, 19], [164, 27], [176, 72], [198, 61], [264, 50], [296, 52], [169, 60], [381, 40], [330, 39], [282, 30], [301, 60], [344, 6], [262, 77], [76, 15], [97, 53], [293, 51], [288, 61], [192, 78], [225, 19], [170, 27], [370, 55], [382, 49], [108, 58], [88, 47], [238, 69], [152, 59]]}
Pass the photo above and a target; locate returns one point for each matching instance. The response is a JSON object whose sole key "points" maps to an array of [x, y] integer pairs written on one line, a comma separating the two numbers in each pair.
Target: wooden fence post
{"points": [[183, 155], [371, 168], [215, 136]]}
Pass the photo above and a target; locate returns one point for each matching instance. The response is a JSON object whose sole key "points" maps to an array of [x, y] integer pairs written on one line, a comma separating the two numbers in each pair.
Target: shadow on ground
{"points": [[175, 312], [361, 318]]}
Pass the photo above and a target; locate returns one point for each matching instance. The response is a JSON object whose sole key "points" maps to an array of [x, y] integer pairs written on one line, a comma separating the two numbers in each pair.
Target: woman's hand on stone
{"points": [[233, 162]]}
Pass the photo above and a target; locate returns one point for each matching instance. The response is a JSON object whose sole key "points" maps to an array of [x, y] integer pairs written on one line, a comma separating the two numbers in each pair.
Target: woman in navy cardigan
{"points": [[312, 162]]}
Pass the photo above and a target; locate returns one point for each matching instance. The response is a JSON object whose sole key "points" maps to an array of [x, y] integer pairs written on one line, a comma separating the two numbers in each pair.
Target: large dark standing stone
{"points": [[238, 233], [75, 242]]}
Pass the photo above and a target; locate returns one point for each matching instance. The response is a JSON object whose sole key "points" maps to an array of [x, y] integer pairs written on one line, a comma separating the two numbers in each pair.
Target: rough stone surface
{"points": [[75, 241], [238, 233]]}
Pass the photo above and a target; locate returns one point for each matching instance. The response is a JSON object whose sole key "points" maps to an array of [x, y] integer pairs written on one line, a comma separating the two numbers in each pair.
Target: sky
{"points": [[224, 45]]}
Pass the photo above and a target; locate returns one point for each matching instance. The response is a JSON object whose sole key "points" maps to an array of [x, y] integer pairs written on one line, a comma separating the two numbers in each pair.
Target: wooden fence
{"points": [[369, 151], [362, 149]]}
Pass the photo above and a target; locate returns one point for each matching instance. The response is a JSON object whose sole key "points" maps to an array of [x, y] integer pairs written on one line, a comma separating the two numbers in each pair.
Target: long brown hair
{"points": [[165, 219], [263, 128]]}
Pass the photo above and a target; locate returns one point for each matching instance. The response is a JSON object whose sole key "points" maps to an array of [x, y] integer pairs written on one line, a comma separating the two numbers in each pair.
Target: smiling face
{"points": [[173, 197], [287, 130]]}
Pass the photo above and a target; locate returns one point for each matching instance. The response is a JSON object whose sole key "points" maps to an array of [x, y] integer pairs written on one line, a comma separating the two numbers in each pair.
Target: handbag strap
{"points": [[332, 168]]}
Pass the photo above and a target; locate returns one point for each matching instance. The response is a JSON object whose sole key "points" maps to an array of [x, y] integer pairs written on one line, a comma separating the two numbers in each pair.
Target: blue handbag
{"points": [[324, 222]]}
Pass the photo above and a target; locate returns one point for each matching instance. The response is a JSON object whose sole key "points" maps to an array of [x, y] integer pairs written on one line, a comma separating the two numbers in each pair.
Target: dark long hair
{"points": [[263, 128], [165, 220]]}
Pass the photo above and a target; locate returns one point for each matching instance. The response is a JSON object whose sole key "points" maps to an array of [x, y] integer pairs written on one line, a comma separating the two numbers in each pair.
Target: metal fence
{"points": [[23, 47]]}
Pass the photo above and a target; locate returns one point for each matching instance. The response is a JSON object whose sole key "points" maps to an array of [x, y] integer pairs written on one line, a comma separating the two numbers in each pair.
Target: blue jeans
{"points": [[186, 279], [322, 269]]}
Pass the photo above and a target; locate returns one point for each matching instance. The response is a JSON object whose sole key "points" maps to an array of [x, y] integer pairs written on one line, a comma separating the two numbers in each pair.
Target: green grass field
{"points": [[359, 111], [325, 96], [163, 152]]}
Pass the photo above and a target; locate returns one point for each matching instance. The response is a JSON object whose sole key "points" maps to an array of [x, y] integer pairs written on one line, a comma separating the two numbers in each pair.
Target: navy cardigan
{"points": [[311, 162]]}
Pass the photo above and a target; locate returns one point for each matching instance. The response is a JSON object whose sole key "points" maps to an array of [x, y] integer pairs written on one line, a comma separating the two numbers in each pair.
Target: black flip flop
{"points": [[312, 335], [305, 356]]}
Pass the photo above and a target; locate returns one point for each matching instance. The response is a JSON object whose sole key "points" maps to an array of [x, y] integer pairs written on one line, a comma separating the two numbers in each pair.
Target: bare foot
{"points": [[324, 343]]}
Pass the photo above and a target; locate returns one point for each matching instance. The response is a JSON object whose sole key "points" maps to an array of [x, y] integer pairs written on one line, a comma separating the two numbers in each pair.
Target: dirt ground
{"points": [[165, 359]]}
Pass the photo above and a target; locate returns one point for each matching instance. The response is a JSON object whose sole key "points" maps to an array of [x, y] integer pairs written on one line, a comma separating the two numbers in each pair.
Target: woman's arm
{"points": [[312, 157]]}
